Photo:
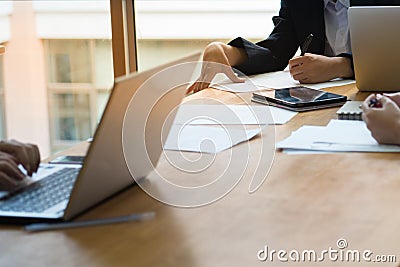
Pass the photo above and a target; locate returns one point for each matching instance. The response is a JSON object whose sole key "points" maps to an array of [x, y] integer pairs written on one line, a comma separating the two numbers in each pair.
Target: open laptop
{"points": [[375, 42], [61, 192]]}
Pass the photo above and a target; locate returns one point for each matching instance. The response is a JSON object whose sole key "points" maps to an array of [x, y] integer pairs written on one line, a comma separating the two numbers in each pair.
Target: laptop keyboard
{"points": [[44, 194]]}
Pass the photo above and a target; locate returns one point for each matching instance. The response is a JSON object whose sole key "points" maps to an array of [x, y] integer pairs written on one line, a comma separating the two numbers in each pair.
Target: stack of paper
{"points": [[232, 114], [337, 136], [206, 139], [214, 128]]}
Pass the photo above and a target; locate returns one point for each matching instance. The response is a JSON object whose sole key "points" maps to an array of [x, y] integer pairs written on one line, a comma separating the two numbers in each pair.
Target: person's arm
{"points": [[273, 53], [383, 122], [249, 58], [13, 153]]}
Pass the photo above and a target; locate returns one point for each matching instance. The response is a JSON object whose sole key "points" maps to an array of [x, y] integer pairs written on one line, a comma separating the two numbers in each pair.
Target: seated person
{"points": [[383, 118], [328, 55], [13, 153]]}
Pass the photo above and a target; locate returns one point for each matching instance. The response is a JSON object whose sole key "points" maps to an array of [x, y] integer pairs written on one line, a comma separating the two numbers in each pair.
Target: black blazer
{"points": [[296, 20]]}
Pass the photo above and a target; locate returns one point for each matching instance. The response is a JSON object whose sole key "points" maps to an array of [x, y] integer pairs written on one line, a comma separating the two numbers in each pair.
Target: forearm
{"points": [[234, 55]]}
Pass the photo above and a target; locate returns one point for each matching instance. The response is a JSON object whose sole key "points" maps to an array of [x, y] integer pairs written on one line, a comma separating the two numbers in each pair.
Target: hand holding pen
{"points": [[377, 101], [374, 101], [313, 68], [381, 114]]}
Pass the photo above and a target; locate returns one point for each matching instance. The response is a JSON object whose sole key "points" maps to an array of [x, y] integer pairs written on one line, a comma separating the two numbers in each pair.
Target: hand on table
{"points": [[217, 58]]}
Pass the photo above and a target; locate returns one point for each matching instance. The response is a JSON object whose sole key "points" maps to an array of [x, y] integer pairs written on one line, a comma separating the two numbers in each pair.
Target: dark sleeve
{"points": [[273, 53]]}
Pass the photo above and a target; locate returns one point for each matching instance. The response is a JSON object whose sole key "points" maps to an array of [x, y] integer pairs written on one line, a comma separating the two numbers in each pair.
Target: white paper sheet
{"points": [[283, 79], [302, 138], [273, 80], [337, 136], [228, 85], [290, 151], [207, 139], [232, 114], [347, 135]]}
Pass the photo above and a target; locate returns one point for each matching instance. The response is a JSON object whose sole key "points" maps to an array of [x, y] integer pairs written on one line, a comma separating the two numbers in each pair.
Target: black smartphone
{"points": [[68, 160], [300, 98]]}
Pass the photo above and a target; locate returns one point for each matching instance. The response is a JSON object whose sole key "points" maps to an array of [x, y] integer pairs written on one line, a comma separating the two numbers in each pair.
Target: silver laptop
{"points": [[375, 43], [61, 192]]}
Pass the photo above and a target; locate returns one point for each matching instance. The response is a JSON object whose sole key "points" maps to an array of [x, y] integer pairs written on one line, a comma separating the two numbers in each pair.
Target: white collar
{"points": [[346, 3]]}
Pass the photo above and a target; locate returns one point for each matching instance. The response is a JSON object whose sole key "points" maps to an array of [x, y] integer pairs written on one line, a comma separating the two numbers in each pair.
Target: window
{"points": [[63, 49], [58, 70], [168, 29], [79, 81]]}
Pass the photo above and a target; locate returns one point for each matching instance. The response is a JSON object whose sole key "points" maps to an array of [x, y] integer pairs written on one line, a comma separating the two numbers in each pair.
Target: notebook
{"points": [[350, 111], [375, 42], [104, 172]]}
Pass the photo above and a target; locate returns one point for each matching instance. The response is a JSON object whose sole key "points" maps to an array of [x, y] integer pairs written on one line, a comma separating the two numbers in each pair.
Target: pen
{"points": [[374, 103], [37, 227], [306, 44]]}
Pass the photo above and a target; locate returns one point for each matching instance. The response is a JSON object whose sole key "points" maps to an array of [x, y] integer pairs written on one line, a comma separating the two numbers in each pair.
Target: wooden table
{"points": [[307, 202]]}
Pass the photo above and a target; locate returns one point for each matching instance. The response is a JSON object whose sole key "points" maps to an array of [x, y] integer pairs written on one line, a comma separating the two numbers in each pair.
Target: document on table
{"points": [[337, 136], [273, 80], [207, 139], [228, 85], [232, 114]]}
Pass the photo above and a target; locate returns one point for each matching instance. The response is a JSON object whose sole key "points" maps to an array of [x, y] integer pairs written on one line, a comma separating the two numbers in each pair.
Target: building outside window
{"points": [[58, 70], [79, 77], [167, 29]]}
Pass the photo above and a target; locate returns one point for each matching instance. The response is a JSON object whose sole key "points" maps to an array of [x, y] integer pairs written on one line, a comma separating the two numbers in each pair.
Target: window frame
{"points": [[123, 37], [3, 121]]}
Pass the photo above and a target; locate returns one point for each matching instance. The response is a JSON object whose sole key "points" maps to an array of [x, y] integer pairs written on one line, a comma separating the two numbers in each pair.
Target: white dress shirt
{"points": [[336, 27]]}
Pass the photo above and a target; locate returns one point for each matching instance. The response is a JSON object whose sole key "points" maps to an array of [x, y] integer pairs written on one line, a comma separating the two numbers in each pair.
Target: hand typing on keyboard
{"points": [[13, 153]]}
